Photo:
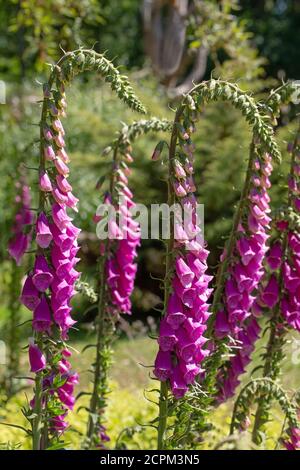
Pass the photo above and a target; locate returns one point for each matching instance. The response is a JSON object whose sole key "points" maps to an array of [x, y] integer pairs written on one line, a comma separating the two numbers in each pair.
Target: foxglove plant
{"points": [[117, 271], [251, 394], [180, 169], [245, 270], [181, 341], [116, 267], [17, 247], [49, 286], [278, 294], [21, 228]]}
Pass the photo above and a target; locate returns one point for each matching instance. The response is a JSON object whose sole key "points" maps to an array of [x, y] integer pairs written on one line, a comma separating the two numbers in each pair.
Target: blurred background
{"points": [[163, 46]]}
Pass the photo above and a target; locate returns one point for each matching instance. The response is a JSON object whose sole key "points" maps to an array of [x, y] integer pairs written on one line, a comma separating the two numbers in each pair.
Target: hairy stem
{"points": [[100, 338], [102, 334]]}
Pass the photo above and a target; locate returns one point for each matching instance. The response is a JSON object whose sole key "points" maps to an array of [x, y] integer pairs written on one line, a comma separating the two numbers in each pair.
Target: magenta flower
{"points": [[178, 384], [163, 365], [45, 182], [293, 443], [17, 247], [43, 232], [20, 241], [237, 316], [270, 294], [63, 184], [61, 167], [42, 276], [49, 153], [37, 359], [120, 266], [184, 273], [60, 217], [30, 295], [49, 288], [181, 330], [41, 316], [274, 256]]}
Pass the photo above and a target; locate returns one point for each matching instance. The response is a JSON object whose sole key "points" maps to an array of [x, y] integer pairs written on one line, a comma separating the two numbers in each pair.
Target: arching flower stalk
{"points": [[117, 269], [49, 286], [17, 247], [278, 295], [251, 394]]}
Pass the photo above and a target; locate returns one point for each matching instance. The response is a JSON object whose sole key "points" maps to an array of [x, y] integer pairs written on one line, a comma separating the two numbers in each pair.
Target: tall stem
{"points": [[275, 340], [163, 396], [100, 337], [101, 320], [37, 422]]}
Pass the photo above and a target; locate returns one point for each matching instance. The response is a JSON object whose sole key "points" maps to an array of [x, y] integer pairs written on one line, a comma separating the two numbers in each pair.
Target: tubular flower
{"points": [[181, 341], [124, 238], [293, 441], [21, 238], [49, 287], [117, 255], [246, 270], [284, 264]]}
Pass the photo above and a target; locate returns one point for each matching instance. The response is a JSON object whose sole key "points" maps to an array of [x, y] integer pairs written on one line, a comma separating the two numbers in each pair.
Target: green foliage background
{"points": [[256, 46]]}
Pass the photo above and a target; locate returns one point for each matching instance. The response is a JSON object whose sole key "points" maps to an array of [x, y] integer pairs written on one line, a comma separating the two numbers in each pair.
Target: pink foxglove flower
{"points": [[49, 287], [21, 238], [181, 341], [42, 316], [45, 182], [120, 266], [37, 359], [246, 269], [43, 232]]}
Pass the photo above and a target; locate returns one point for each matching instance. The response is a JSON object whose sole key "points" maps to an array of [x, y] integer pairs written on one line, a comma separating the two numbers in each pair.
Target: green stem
{"points": [[37, 410], [102, 334], [163, 415], [100, 337]]}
